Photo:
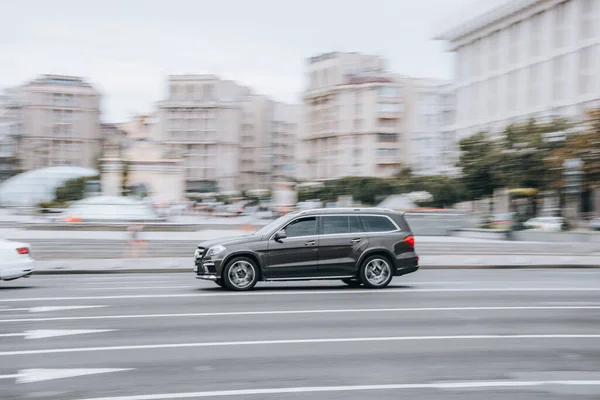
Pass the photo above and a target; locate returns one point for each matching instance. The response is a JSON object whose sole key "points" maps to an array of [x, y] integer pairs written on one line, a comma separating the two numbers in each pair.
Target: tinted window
{"points": [[302, 227], [378, 224], [335, 224], [355, 225]]}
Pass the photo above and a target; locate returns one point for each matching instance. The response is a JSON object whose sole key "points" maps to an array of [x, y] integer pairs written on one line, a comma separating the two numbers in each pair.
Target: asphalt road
{"points": [[436, 334], [60, 248]]}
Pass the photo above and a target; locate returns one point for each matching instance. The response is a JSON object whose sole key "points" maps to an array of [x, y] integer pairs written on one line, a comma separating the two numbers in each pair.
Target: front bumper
{"points": [[208, 269]]}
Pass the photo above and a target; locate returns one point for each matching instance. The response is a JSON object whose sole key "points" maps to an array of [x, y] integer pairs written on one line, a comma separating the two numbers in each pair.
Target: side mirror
{"points": [[279, 236]]}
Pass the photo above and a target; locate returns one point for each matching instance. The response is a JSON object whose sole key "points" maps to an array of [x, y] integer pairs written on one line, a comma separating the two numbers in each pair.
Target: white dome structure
{"points": [[110, 209], [33, 187]]}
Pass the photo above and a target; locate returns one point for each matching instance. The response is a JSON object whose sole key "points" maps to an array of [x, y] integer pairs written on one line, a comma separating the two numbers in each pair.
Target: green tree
{"points": [[479, 160], [125, 189], [72, 190]]}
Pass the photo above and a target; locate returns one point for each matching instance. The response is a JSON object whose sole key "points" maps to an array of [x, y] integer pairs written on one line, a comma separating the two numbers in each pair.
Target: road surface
{"points": [[436, 334]]}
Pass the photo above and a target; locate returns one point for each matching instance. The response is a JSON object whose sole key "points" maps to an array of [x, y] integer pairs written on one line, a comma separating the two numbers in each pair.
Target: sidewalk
{"points": [[161, 265]]}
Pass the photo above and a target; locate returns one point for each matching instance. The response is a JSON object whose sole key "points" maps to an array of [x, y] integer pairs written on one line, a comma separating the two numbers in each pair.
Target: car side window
{"points": [[374, 223], [302, 227], [355, 224], [335, 224]]}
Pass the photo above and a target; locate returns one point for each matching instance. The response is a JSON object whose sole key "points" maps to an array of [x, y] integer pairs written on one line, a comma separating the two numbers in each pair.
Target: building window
{"points": [[387, 153], [561, 17], [389, 91], [390, 107], [536, 33], [515, 43], [387, 137], [588, 18]]}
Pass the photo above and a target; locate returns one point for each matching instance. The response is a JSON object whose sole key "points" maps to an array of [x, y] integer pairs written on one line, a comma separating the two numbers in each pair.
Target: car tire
{"points": [[220, 282], [352, 282], [376, 272], [240, 274]]}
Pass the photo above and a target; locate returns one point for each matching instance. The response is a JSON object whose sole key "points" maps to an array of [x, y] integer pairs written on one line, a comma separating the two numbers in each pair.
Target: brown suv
{"points": [[357, 245]]}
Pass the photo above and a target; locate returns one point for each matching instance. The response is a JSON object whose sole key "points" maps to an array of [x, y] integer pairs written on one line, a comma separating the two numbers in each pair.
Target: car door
{"points": [[342, 239], [295, 256]]}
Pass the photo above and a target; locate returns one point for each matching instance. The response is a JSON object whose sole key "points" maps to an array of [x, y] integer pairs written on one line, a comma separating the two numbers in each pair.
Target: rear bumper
{"points": [[406, 270], [16, 270]]}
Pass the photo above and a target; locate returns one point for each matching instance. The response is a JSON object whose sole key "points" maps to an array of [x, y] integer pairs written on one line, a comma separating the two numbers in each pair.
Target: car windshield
{"points": [[274, 224]]}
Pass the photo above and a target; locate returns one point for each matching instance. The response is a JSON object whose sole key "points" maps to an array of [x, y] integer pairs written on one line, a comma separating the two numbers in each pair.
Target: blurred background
{"points": [[504, 134]]}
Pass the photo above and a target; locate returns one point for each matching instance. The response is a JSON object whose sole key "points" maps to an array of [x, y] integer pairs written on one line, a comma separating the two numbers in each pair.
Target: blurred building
{"points": [[353, 122], [60, 122], [518, 59], [267, 142], [430, 127], [140, 165], [10, 131], [226, 134]]}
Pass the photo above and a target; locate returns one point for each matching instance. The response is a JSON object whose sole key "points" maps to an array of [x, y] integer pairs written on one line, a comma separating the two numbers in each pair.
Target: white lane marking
{"points": [[296, 341], [49, 333], [343, 291], [316, 389], [290, 312], [133, 287], [9, 376], [50, 308], [39, 374]]}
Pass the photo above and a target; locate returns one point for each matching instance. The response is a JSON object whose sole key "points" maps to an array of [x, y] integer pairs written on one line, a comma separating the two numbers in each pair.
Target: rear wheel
{"points": [[352, 282], [240, 274], [376, 272]]}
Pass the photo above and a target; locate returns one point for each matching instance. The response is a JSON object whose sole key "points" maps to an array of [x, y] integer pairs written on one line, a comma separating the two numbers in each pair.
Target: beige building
{"points": [[60, 122], [268, 139], [149, 165], [353, 122], [230, 138]]}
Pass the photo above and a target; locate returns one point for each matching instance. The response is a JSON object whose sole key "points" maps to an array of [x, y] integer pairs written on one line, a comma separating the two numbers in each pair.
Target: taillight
{"points": [[410, 240], [23, 250]]}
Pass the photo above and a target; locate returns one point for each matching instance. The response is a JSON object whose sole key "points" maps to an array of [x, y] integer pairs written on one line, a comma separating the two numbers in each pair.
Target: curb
{"points": [[190, 269]]}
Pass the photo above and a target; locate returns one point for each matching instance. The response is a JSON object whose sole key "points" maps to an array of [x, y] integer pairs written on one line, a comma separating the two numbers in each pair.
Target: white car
{"points": [[546, 223], [15, 260]]}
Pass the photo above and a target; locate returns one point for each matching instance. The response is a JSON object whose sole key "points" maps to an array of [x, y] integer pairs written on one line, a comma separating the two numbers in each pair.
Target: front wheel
{"points": [[376, 272], [220, 282], [240, 274]]}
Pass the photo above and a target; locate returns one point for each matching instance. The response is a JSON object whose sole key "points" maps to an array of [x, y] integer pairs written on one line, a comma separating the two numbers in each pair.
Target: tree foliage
{"points": [[72, 190], [446, 191]]}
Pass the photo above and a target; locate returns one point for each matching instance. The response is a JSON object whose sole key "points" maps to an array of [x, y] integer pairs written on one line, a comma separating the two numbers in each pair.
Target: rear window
{"points": [[375, 223], [335, 224]]}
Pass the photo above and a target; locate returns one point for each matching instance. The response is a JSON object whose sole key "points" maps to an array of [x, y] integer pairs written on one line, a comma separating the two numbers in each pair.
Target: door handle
{"points": [[355, 241], [310, 243]]}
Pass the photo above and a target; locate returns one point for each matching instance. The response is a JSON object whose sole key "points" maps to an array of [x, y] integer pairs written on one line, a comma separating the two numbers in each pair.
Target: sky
{"points": [[126, 48]]}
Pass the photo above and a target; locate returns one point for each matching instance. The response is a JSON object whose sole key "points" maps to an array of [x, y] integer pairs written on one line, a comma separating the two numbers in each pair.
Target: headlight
{"points": [[213, 251]]}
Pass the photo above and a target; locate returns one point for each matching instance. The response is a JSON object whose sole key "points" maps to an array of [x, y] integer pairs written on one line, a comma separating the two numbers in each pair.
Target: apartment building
{"points": [[200, 122], [229, 137], [429, 127], [521, 59], [10, 130], [60, 122], [353, 120], [268, 137]]}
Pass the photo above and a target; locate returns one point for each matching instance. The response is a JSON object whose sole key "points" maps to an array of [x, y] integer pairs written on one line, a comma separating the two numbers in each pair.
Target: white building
{"points": [[60, 122], [353, 122], [524, 58], [430, 127], [224, 132]]}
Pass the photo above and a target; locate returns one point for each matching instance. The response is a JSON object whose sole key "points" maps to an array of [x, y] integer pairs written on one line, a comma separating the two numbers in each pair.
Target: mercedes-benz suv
{"points": [[360, 246]]}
